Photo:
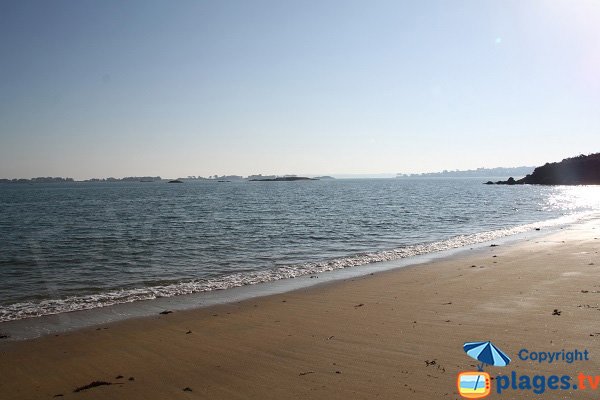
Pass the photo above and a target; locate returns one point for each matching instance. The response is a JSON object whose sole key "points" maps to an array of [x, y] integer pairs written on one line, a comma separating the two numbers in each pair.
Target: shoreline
{"points": [[363, 337], [35, 327], [63, 321]]}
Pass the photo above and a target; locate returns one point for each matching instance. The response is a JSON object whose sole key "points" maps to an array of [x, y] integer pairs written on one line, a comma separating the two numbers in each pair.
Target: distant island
{"points": [[213, 178], [127, 179], [285, 179], [479, 172], [38, 180], [580, 170], [63, 180], [253, 178]]}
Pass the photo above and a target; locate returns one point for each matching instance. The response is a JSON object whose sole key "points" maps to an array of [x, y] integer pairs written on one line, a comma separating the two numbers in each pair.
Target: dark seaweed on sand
{"points": [[91, 385]]}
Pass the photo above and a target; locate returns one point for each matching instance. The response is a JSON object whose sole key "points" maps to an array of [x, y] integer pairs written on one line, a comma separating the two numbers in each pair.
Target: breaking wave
{"points": [[85, 302]]}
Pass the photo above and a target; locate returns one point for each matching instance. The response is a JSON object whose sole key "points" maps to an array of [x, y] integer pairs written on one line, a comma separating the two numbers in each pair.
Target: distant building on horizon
{"points": [[479, 172]]}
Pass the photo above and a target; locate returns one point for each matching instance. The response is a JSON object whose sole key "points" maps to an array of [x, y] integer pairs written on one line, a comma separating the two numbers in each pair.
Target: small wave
{"points": [[77, 303]]}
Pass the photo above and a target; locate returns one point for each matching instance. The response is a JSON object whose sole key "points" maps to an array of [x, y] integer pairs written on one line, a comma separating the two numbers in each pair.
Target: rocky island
{"points": [[580, 170], [284, 179]]}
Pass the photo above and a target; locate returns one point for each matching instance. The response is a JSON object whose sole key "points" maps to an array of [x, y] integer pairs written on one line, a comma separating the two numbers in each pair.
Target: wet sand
{"points": [[392, 335]]}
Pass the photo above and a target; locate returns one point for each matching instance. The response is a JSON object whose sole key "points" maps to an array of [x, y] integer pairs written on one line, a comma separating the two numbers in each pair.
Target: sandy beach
{"points": [[391, 335]]}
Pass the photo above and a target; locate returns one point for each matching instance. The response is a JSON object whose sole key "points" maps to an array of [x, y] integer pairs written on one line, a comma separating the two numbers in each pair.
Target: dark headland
{"points": [[580, 170]]}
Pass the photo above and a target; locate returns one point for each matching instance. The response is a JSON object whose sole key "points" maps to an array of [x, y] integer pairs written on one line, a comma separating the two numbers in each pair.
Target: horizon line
{"points": [[341, 175]]}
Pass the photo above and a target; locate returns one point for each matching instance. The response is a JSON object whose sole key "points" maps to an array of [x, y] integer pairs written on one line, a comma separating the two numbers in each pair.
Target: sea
{"points": [[68, 247]]}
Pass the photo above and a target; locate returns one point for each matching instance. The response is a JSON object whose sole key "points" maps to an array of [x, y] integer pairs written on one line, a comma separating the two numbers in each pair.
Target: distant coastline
{"points": [[570, 171], [479, 172], [38, 180], [214, 178]]}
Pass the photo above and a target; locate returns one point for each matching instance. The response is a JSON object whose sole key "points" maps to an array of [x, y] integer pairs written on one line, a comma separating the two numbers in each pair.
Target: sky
{"points": [[178, 88]]}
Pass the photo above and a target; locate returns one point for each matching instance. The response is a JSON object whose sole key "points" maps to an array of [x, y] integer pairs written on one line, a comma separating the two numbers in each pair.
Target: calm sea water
{"points": [[76, 246]]}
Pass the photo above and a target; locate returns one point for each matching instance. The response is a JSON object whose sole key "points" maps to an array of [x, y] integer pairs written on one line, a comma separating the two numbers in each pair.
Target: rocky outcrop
{"points": [[580, 170]]}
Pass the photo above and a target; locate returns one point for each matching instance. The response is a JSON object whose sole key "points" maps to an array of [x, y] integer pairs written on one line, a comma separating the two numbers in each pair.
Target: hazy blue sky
{"points": [[177, 88]]}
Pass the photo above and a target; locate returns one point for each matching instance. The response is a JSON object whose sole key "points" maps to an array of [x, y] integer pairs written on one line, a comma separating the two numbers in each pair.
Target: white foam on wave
{"points": [[76, 303]]}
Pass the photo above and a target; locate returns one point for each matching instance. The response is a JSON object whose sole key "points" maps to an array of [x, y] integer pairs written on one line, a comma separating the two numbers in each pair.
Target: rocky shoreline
{"points": [[580, 170]]}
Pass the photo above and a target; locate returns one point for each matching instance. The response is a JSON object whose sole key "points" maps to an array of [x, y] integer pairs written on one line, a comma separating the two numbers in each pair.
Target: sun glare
{"points": [[575, 197]]}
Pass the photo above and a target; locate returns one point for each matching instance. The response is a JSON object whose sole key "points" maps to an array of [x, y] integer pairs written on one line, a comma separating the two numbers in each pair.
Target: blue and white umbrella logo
{"points": [[486, 353]]}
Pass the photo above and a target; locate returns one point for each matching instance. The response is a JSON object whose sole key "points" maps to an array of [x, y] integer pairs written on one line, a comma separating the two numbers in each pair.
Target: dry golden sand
{"points": [[364, 338]]}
